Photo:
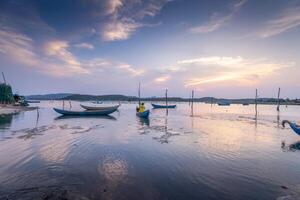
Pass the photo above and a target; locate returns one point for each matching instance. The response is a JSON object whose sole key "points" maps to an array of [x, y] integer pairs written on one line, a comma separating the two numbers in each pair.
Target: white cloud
{"points": [[288, 19], [84, 45], [214, 60], [119, 29], [218, 20], [162, 79], [125, 18], [55, 58]]}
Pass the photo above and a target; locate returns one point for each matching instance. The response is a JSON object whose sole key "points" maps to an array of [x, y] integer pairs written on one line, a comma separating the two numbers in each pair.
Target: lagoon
{"points": [[211, 153]]}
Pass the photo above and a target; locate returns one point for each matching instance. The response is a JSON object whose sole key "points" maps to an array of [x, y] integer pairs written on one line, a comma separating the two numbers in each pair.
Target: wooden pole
{"points": [[192, 103], [3, 78], [255, 103], [167, 97], [278, 100], [139, 92]]}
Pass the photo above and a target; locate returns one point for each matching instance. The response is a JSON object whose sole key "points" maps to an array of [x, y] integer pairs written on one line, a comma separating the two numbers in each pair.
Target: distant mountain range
{"points": [[118, 97]]}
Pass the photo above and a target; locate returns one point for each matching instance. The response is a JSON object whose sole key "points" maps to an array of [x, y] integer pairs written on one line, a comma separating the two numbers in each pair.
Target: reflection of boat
{"points": [[90, 117], [163, 106], [293, 126], [85, 112], [96, 107], [144, 121], [144, 114], [292, 147]]}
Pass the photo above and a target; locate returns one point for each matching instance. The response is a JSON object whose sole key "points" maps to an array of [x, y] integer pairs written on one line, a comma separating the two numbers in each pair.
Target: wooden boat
{"points": [[293, 126], [224, 103], [163, 106], [85, 112], [96, 107], [32, 101], [144, 114]]}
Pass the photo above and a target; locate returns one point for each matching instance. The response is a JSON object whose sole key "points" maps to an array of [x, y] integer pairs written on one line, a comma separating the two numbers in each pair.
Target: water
{"points": [[219, 153]]}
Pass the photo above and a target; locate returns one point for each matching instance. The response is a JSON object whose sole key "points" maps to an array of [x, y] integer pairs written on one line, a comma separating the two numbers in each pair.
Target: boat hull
{"points": [[144, 114], [84, 113], [99, 107], [163, 106], [295, 128]]}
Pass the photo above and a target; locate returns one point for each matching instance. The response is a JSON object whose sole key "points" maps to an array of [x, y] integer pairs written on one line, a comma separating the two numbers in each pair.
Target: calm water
{"points": [[220, 153]]}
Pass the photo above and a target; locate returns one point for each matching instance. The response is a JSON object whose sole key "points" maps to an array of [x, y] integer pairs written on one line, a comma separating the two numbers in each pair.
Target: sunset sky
{"points": [[220, 48]]}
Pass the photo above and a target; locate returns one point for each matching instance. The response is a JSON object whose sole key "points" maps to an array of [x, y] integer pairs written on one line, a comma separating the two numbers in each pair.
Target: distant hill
{"points": [[48, 96], [118, 97]]}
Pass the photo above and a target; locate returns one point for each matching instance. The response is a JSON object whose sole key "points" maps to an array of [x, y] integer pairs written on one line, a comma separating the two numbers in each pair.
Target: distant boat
{"points": [[224, 103], [163, 106], [293, 126], [144, 114], [32, 101], [96, 107], [85, 112], [246, 104]]}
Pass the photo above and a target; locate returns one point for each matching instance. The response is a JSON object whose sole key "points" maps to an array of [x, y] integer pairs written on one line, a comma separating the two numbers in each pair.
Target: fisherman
{"points": [[142, 107]]}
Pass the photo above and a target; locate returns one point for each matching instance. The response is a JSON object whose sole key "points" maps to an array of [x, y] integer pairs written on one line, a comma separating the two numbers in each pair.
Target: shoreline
{"points": [[11, 109]]}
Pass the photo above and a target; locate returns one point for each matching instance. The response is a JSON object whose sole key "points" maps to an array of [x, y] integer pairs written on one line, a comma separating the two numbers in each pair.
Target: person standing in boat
{"points": [[141, 107]]}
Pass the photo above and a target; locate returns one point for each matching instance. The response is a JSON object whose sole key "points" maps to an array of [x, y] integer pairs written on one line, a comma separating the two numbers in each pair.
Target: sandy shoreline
{"points": [[10, 109]]}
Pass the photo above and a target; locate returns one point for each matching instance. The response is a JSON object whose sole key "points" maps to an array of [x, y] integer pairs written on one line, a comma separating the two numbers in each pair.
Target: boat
{"points": [[163, 106], [96, 107], [32, 101], [293, 126], [144, 114], [224, 103], [246, 104], [85, 112]]}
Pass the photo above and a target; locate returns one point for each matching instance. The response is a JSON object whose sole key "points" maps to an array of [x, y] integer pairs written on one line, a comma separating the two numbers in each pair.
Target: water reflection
{"points": [[290, 147], [5, 121]]}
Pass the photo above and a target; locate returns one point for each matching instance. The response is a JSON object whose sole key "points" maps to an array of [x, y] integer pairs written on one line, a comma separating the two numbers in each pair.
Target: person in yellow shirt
{"points": [[142, 107]]}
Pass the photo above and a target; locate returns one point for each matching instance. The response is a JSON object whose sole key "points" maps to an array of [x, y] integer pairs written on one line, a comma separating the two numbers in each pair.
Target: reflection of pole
{"points": [[278, 100]]}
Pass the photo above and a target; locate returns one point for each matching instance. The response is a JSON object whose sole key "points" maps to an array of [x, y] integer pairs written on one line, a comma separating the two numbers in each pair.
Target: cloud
{"points": [[219, 69], [84, 45], [214, 60], [119, 29], [124, 19], [162, 79], [55, 57], [288, 19], [218, 20]]}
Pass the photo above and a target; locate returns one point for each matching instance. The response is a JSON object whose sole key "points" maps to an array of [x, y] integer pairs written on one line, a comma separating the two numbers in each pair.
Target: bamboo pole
{"points": [[167, 97], [256, 103], [3, 78], [192, 103], [278, 100]]}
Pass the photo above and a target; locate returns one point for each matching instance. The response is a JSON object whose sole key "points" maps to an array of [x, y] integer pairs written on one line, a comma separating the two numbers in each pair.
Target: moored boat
{"points": [[163, 106], [144, 114], [85, 112], [293, 126], [96, 107]]}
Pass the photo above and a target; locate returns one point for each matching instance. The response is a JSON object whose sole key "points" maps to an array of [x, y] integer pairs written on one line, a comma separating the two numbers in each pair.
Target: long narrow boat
{"points": [[163, 106], [85, 112], [96, 107], [144, 114], [293, 126]]}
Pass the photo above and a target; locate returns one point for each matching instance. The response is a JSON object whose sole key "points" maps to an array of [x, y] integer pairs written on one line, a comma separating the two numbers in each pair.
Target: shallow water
{"points": [[218, 153]]}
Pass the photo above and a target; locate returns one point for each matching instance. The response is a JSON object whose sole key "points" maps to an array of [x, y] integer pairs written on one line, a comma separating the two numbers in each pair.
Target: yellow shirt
{"points": [[142, 108]]}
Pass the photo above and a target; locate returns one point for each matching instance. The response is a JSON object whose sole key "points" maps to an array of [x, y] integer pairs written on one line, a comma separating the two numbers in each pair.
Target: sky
{"points": [[220, 48]]}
